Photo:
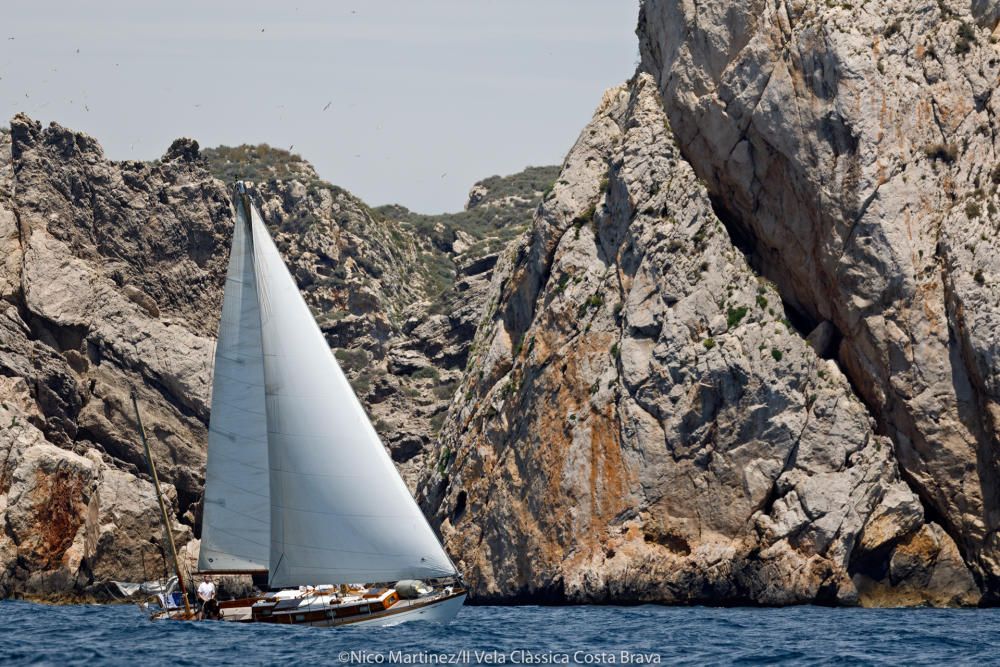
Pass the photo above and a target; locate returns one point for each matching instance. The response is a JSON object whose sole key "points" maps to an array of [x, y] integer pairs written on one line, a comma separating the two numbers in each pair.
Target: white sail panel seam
{"points": [[223, 482], [228, 532]]}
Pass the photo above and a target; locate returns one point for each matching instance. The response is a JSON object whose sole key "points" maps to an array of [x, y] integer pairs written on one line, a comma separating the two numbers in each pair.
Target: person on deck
{"points": [[206, 593]]}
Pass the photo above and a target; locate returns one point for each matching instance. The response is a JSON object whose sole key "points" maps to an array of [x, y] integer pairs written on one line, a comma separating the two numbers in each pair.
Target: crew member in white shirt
{"points": [[206, 592]]}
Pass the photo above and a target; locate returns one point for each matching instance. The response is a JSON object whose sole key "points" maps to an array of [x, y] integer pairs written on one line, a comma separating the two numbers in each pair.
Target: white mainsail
{"points": [[340, 512], [236, 523]]}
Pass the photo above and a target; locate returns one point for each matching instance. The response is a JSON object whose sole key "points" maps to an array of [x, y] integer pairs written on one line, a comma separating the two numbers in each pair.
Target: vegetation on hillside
{"points": [[502, 209], [521, 184], [261, 164], [503, 212]]}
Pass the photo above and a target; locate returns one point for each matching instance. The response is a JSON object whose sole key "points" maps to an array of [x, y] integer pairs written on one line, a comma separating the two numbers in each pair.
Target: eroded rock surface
{"points": [[70, 521], [852, 148], [640, 421], [745, 351], [112, 277], [397, 294]]}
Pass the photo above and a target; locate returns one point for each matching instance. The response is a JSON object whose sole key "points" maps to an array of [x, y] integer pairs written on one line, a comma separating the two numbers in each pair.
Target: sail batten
{"points": [[326, 461], [236, 519]]}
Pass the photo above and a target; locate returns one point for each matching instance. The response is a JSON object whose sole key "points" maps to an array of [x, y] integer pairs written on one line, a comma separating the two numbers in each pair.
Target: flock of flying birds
{"points": [[198, 106]]}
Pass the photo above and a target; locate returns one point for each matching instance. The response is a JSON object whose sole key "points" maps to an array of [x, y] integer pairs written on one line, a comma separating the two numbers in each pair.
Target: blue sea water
{"points": [[32, 634]]}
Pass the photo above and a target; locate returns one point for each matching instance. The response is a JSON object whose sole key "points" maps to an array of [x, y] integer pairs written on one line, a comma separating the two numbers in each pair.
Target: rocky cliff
{"points": [[110, 272], [642, 422], [851, 149], [749, 350], [741, 347], [112, 278]]}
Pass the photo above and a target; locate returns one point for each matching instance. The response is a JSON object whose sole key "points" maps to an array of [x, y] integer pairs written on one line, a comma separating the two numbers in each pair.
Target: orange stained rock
{"points": [[58, 512]]}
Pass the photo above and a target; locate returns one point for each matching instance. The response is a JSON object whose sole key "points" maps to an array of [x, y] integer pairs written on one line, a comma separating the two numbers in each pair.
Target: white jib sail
{"points": [[236, 522], [340, 512]]}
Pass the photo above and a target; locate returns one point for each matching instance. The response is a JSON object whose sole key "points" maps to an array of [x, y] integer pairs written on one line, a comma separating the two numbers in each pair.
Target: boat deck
{"points": [[328, 608]]}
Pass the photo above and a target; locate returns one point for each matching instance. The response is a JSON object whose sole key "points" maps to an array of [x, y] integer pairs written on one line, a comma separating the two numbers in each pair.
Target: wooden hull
{"points": [[443, 611], [440, 610]]}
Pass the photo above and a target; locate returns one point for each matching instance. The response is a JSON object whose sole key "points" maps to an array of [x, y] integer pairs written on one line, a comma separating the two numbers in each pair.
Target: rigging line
{"points": [[271, 573]]}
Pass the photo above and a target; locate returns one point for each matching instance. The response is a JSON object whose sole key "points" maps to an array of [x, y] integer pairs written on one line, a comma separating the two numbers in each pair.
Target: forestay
{"points": [[236, 521], [339, 510]]}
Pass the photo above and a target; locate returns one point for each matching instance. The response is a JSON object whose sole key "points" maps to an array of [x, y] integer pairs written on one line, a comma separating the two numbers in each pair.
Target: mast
{"points": [[163, 507], [298, 483]]}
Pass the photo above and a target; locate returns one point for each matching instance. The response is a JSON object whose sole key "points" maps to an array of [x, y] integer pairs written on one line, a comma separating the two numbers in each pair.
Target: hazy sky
{"points": [[425, 96]]}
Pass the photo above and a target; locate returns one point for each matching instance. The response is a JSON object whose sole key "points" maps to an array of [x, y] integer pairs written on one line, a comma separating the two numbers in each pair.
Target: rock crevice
{"points": [[883, 234], [112, 277], [650, 426]]}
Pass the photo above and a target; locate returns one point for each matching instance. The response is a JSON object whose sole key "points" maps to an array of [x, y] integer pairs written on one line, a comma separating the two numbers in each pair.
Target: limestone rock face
{"points": [[70, 520], [111, 277], [640, 421], [852, 149], [120, 270], [397, 294], [111, 273], [744, 350], [925, 569]]}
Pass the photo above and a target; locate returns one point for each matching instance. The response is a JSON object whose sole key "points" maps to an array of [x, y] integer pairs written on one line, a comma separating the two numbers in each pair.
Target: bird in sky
{"points": [[327, 105]]}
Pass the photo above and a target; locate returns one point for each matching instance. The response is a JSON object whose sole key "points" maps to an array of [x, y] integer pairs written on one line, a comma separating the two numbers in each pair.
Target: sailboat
{"points": [[298, 485]]}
